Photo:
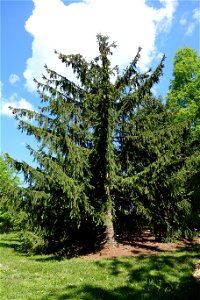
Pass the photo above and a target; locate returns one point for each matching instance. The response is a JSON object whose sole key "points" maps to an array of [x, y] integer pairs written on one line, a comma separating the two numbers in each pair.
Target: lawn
{"points": [[164, 276]]}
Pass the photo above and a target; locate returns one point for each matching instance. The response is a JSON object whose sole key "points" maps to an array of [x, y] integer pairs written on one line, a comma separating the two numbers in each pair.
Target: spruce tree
{"points": [[157, 158], [159, 188], [82, 156]]}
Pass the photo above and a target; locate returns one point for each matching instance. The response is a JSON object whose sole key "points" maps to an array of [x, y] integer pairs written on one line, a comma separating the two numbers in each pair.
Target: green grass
{"points": [[164, 276]]}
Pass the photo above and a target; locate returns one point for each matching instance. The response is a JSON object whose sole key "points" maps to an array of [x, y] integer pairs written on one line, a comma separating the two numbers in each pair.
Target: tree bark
{"points": [[110, 239]]}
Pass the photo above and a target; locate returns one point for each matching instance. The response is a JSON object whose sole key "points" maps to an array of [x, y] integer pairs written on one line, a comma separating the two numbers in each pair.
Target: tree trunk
{"points": [[110, 239]]}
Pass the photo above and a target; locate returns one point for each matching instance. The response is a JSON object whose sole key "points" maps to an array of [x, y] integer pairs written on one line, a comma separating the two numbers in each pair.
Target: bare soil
{"points": [[141, 244]]}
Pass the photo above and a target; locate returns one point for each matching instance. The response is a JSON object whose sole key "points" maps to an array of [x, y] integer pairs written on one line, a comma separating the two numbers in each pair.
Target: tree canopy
{"points": [[183, 99], [184, 92], [106, 146], [9, 184]]}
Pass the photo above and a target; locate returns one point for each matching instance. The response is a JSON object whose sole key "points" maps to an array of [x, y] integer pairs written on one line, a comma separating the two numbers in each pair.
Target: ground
{"points": [[140, 244], [143, 244]]}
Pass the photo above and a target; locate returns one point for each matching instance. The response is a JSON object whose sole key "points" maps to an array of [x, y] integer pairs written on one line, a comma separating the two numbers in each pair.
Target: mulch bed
{"points": [[141, 244]]}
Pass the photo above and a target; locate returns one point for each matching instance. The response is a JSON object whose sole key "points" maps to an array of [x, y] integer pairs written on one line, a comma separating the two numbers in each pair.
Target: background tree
{"points": [[184, 92], [183, 99], [9, 185], [155, 151], [192, 182]]}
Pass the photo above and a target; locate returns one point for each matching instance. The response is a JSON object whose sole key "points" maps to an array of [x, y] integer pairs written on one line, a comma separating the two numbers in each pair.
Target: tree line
{"points": [[112, 157]]}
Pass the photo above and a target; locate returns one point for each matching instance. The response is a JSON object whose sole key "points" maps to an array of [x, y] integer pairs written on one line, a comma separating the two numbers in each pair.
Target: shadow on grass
{"points": [[13, 242], [161, 277], [10, 242], [164, 277], [51, 258], [156, 289]]}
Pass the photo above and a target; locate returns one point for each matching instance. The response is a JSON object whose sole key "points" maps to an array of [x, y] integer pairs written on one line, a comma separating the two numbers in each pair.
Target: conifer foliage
{"points": [[96, 142]]}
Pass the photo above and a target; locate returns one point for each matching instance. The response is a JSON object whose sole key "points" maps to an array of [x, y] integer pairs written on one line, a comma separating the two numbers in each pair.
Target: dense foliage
{"points": [[109, 156], [9, 184], [184, 92], [183, 99]]}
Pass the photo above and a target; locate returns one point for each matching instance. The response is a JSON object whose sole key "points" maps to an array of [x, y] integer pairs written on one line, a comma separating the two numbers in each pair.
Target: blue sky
{"points": [[31, 30]]}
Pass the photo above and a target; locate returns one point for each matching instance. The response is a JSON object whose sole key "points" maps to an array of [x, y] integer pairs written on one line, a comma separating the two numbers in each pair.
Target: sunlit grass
{"points": [[164, 276]]}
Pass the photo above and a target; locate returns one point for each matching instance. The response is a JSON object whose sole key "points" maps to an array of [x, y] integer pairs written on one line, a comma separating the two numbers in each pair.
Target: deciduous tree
{"points": [[183, 97], [9, 184]]}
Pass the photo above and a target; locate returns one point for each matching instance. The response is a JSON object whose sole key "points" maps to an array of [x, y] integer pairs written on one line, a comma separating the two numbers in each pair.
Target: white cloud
{"points": [[182, 21], [194, 23], [13, 78], [73, 28], [15, 102], [196, 14], [190, 28]]}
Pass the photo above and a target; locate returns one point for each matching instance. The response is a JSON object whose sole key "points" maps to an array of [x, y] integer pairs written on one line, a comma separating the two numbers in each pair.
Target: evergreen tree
{"points": [[155, 154], [83, 154], [191, 175]]}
